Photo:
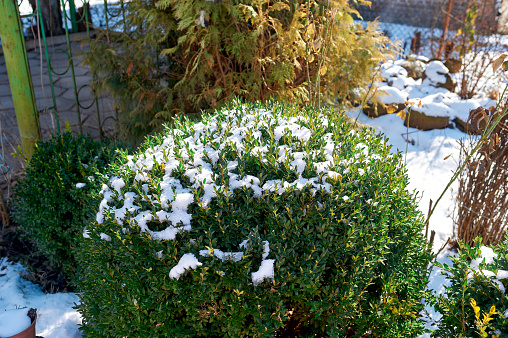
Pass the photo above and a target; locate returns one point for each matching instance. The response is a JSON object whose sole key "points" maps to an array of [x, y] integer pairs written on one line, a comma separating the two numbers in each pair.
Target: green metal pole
{"points": [[74, 21], [18, 70], [71, 65]]}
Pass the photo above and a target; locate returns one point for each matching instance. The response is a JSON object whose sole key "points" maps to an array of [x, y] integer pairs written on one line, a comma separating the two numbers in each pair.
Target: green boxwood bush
{"points": [[478, 273], [57, 196], [260, 221]]}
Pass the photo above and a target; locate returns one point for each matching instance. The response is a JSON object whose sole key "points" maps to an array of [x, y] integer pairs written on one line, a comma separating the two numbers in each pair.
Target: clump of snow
{"points": [[389, 95], [86, 233], [105, 237], [13, 321], [117, 183], [187, 262], [265, 271], [224, 256], [488, 256], [80, 185]]}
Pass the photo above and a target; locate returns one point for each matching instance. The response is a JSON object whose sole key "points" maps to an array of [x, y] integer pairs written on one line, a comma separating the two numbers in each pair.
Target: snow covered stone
{"points": [[436, 72], [389, 70], [389, 95]]}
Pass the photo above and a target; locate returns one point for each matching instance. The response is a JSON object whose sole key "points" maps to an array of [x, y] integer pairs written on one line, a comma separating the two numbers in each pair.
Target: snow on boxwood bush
{"points": [[259, 221]]}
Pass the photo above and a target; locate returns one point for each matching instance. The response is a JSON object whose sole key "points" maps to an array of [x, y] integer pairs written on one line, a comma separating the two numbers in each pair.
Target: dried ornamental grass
{"points": [[483, 188]]}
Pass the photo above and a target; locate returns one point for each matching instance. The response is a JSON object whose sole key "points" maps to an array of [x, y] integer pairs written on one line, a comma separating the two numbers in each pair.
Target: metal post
{"points": [[20, 80], [446, 24], [50, 69], [74, 21]]}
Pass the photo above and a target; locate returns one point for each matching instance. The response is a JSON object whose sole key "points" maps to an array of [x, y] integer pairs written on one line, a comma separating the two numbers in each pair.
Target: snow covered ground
{"points": [[56, 316]]}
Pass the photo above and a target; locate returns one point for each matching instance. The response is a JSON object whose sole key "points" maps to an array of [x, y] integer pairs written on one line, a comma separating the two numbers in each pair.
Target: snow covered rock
{"points": [[401, 83], [429, 113], [389, 70], [389, 95], [422, 121], [415, 67], [461, 110], [436, 72], [437, 75]]}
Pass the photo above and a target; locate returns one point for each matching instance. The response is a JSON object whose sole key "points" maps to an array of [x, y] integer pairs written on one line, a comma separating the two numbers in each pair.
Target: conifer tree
{"points": [[181, 57]]}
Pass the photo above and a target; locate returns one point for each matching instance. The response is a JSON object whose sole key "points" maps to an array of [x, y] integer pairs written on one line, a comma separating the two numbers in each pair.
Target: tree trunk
{"points": [[51, 16]]}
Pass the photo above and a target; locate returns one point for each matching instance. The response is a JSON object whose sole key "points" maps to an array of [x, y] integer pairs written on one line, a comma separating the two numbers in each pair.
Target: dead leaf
{"points": [[390, 109], [402, 114], [499, 62], [129, 69], [447, 157], [322, 71], [317, 44], [311, 29]]}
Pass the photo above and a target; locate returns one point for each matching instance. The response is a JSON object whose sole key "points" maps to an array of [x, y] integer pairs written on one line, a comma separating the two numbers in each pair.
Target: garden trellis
{"points": [[60, 72]]}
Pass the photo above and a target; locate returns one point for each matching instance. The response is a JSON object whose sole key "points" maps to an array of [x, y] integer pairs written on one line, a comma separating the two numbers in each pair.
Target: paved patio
{"points": [[65, 101]]}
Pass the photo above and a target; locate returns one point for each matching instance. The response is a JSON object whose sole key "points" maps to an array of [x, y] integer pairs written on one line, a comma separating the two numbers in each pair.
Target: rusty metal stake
{"points": [[446, 24]]}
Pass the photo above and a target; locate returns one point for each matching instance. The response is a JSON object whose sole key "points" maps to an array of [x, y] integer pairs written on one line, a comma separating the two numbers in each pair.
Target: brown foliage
{"points": [[483, 188]]}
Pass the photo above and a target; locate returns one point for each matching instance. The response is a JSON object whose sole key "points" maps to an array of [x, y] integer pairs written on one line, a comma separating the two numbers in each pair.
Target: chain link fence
{"points": [[418, 24]]}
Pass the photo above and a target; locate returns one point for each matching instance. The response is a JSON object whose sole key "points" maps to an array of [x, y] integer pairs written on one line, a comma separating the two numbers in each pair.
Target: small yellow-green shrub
{"points": [[478, 279]]}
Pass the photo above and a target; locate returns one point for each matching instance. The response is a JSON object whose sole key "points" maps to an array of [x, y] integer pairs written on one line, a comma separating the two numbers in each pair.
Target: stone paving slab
{"points": [[67, 82], [6, 103]]}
